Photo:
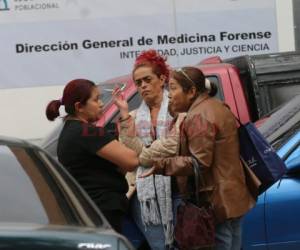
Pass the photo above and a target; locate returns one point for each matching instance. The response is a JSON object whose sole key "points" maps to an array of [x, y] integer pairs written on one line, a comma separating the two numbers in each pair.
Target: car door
{"points": [[282, 202], [254, 228], [32, 193]]}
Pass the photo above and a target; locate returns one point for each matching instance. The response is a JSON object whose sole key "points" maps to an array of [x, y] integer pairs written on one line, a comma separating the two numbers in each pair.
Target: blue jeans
{"points": [[132, 232], [154, 234], [228, 235], [176, 200]]}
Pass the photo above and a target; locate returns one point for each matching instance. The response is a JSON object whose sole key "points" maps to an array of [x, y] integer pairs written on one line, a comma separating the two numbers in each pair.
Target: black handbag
{"points": [[195, 223]]}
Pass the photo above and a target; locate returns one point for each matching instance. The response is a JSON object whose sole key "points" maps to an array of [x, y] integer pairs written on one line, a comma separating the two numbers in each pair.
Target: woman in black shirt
{"points": [[93, 156]]}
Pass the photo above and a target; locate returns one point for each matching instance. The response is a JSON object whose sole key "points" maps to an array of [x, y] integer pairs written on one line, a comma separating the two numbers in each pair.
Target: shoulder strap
{"points": [[198, 177], [237, 119]]}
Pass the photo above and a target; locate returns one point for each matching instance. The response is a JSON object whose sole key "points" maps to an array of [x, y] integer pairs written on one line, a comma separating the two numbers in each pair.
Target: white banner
{"points": [[49, 42]]}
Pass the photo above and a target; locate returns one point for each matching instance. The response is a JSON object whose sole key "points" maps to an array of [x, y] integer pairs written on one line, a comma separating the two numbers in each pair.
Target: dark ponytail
{"points": [[78, 90], [52, 110]]}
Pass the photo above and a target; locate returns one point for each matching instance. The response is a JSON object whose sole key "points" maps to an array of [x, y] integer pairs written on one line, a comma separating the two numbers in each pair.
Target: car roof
{"points": [[16, 141]]}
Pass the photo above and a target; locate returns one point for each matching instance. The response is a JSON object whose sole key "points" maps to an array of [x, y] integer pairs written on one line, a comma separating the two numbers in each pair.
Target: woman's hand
{"points": [[153, 170], [147, 173], [121, 103]]}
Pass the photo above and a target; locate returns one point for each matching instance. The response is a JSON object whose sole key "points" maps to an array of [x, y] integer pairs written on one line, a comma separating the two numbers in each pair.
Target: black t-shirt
{"points": [[76, 150]]}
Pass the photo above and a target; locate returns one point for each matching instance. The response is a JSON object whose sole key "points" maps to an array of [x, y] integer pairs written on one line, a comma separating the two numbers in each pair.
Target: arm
{"points": [[120, 155], [127, 134], [128, 137], [98, 141], [200, 135], [164, 147], [159, 148]]}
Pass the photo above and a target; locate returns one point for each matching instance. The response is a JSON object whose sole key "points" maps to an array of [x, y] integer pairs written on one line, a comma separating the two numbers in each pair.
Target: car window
{"points": [[28, 192], [106, 91], [133, 102], [78, 199], [217, 82]]}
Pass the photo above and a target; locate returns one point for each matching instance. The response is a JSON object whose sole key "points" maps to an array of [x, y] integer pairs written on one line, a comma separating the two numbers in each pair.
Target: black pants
{"points": [[115, 218]]}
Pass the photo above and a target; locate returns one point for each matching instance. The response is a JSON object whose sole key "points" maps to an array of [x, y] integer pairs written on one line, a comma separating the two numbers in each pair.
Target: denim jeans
{"points": [[133, 226], [154, 234], [228, 235], [176, 200], [132, 232]]}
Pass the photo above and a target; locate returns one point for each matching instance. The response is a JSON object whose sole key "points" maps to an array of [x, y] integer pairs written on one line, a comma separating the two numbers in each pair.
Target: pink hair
{"points": [[153, 59]]}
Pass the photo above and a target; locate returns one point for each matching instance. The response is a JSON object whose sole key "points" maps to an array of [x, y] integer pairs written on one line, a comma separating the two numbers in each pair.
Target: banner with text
{"points": [[51, 42]]}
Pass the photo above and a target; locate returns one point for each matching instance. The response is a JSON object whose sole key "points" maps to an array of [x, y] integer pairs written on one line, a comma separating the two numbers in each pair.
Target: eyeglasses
{"points": [[180, 70]]}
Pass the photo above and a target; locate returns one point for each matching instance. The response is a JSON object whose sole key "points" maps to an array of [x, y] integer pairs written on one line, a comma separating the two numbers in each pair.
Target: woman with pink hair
{"points": [[151, 204]]}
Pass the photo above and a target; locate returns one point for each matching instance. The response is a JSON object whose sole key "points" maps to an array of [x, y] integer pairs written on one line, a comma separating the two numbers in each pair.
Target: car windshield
{"points": [[283, 123], [281, 140]]}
